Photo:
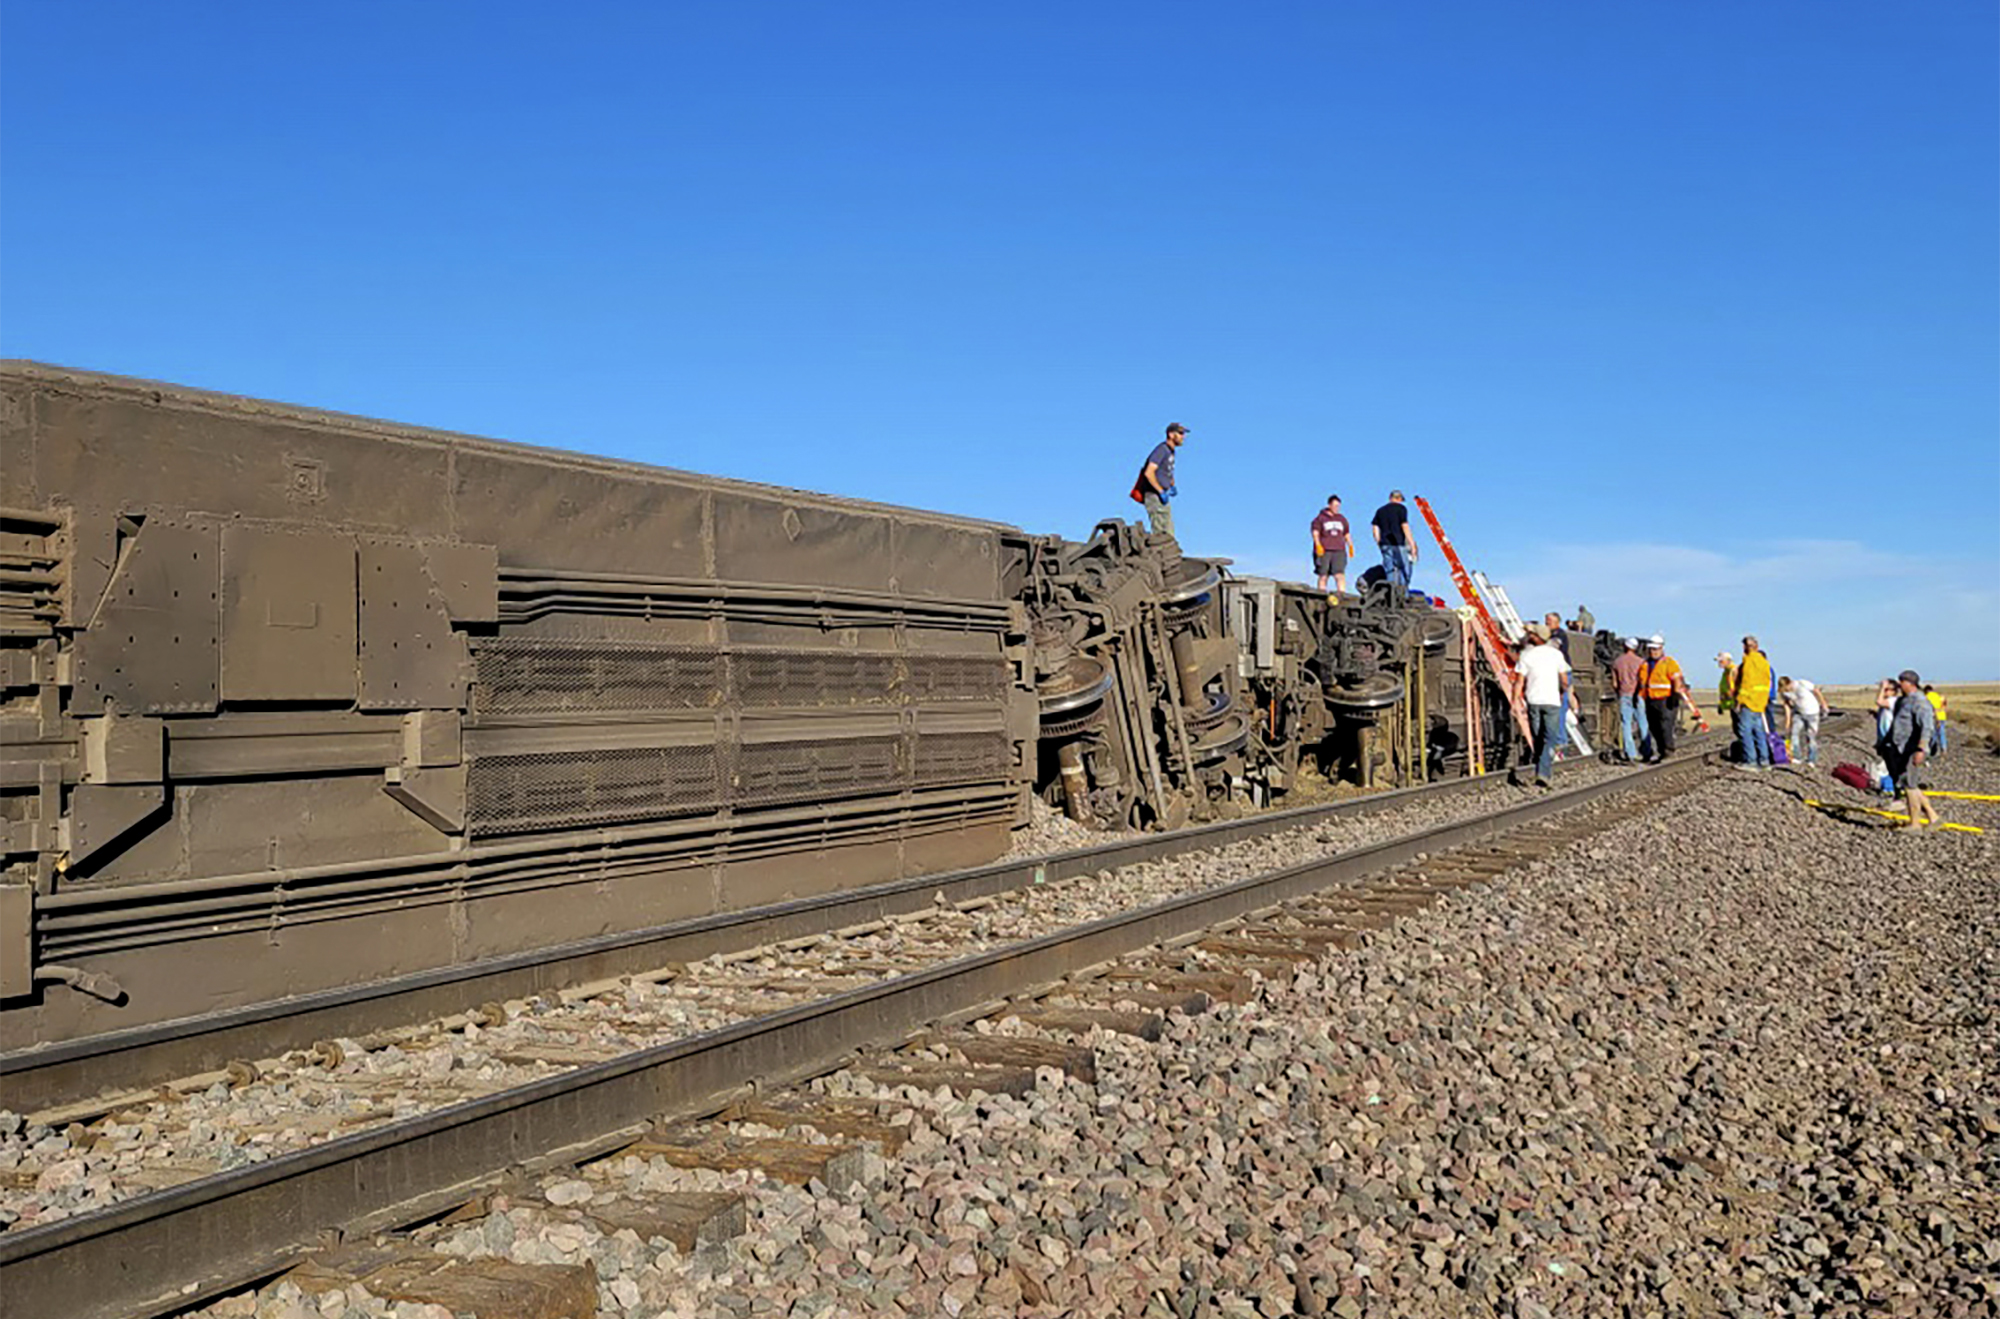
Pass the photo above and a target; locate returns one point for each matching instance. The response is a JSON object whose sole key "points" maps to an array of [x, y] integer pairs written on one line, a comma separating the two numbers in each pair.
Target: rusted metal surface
{"points": [[159, 1251]]}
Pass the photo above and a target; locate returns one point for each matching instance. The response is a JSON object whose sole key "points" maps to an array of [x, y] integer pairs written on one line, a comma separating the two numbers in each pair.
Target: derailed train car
{"points": [[1169, 690], [295, 700]]}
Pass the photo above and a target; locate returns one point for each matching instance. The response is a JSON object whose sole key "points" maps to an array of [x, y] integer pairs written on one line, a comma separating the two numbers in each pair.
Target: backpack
{"points": [[1853, 776]]}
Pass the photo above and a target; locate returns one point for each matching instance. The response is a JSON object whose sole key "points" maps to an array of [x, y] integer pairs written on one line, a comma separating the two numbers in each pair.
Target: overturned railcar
{"points": [[292, 701], [296, 700]]}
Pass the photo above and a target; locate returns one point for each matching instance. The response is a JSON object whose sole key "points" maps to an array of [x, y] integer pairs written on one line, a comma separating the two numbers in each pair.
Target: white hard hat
{"points": [[1656, 640], [1631, 643]]}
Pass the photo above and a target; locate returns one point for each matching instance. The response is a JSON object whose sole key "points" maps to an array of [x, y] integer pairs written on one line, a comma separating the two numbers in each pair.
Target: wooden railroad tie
{"points": [[489, 1286]]}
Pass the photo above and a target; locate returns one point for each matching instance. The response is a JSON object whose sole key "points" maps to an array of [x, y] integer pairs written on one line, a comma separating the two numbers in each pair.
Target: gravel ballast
{"points": [[1734, 1056]]}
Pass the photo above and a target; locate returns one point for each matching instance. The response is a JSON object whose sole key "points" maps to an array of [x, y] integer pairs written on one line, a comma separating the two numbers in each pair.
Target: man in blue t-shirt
{"points": [[1155, 485]]}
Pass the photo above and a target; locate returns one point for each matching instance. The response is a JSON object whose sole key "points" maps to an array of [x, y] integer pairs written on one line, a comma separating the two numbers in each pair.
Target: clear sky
{"points": [[1688, 310]]}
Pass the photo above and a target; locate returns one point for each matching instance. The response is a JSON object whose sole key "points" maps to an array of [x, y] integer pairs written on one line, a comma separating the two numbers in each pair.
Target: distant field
{"points": [[1974, 708]]}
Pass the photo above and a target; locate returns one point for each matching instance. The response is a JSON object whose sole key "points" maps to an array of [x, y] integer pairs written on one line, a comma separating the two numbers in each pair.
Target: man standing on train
{"points": [[1333, 541], [1391, 525], [1155, 486]]}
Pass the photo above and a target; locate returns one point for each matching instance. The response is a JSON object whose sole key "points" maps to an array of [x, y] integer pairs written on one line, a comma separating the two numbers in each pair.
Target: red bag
{"points": [[1853, 776]]}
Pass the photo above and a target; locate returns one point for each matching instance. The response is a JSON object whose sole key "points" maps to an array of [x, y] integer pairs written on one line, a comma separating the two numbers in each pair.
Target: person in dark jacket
{"points": [[1903, 747]]}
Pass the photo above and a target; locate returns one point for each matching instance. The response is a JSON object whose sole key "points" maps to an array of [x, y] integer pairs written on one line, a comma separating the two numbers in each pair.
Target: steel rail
{"points": [[44, 1076], [172, 1248]]}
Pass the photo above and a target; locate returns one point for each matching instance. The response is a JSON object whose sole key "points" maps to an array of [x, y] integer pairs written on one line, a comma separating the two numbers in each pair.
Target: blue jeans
{"points": [[1754, 734], [1545, 721], [1632, 726], [1396, 566], [1805, 739]]}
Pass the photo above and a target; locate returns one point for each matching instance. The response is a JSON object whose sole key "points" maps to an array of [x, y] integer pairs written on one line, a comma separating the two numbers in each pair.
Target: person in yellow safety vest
{"points": [[1750, 695], [1725, 690], [1665, 687], [1936, 698]]}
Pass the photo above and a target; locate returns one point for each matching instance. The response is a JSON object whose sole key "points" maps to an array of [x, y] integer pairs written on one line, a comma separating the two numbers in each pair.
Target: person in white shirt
{"points": [[1542, 675], [1803, 707]]}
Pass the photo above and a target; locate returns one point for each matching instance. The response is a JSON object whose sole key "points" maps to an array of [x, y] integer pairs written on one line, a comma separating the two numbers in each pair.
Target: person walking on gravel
{"points": [[1803, 709], [1751, 694], [1391, 525], [1665, 687], [1333, 541], [1910, 728], [1543, 676], [1155, 486], [1627, 673]]}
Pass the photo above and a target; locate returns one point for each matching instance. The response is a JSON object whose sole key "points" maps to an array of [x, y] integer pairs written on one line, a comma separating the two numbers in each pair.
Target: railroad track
{"points": [[875, 986], [201, 1051]]}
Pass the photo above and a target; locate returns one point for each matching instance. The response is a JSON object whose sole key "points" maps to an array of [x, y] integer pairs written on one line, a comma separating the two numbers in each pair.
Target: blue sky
{"points": [[1690, 310]]}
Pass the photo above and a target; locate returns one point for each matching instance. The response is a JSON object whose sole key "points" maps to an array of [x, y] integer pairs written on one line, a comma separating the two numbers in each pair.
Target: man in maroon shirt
{"points": [[1333, 541], [1627, 675]]}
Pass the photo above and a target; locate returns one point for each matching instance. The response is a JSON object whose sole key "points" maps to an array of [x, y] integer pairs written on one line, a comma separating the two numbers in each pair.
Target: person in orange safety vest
{"points": [[1664, 687]]}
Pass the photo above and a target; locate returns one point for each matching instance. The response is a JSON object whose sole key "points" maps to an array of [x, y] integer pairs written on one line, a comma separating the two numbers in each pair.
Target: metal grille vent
{"points": [[564, 789], [767, 678], [771, 772], [523, 676], [31, 574], [961, 758], [935, 678]]}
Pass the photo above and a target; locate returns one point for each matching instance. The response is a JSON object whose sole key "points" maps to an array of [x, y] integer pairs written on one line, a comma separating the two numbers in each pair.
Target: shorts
{"points": [[1326, 565], [1906, 773]]}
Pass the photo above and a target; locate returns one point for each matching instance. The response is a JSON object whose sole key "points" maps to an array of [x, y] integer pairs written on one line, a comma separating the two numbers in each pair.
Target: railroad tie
{"points": [[1270, 954], [1015, 1051], [833, 1118], [959, 1078], [1147, 1026], [1215, 986], [689, 1219], [488, 1287], [791, 1161], [1107, 990]]}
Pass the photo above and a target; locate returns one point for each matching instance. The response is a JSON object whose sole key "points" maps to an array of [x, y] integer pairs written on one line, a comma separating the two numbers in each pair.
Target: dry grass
{"points": [[1974, 709]]}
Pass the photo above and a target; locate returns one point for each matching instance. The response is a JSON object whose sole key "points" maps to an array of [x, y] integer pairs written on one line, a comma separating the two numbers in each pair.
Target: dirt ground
{"points": [[1973, 708]]}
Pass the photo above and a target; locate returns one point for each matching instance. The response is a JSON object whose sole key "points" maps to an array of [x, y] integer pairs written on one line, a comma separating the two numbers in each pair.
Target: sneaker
{"points": [[1541, 783]]}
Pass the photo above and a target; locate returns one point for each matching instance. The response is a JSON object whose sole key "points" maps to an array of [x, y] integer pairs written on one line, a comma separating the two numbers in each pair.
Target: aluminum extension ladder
{"points": [[1475, 588]]}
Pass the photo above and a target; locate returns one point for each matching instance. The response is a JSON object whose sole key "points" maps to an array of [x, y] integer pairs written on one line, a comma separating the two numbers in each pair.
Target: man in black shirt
{"points": [[1391, 525]]}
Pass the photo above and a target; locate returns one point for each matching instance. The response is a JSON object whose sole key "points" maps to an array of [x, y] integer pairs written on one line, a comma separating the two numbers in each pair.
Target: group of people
{"points": [[1332, 534], [1756, 703], [1333, 544], [1650, 685]]}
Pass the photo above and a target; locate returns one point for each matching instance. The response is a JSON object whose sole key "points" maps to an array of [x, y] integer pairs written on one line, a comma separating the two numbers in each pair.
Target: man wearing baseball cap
{"points": [[1155, 486], [1902, 748], [1626, 671]]}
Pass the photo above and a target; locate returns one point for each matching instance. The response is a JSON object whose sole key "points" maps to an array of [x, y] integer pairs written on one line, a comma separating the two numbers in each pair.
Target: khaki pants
{"points": [[1159, 515]]}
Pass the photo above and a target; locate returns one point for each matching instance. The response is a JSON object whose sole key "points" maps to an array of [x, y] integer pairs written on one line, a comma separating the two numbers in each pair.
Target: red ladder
{"points": [[1483, 627]]}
